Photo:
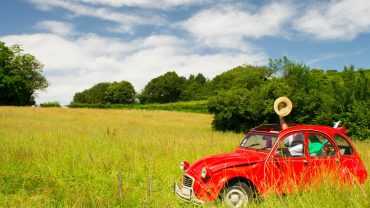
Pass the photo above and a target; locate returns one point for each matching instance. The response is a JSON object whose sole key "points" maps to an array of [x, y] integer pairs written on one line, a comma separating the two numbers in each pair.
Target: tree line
{"points": [[166, 88], [170, 87], [240, 98], [243, 97]]}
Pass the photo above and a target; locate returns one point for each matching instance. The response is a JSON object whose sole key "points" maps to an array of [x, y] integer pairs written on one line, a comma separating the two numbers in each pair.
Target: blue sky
{"points": [[84, 42]]}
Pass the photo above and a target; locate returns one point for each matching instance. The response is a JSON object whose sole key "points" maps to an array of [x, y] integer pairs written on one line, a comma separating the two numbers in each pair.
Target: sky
{"points": [[85, 42]]}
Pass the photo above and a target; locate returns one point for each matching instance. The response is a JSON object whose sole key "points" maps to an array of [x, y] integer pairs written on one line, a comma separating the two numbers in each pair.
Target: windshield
{"points": [[259, 141]]}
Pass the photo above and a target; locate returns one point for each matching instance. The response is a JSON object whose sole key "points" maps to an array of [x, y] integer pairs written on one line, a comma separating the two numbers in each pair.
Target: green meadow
{"points": [[55, 157]]}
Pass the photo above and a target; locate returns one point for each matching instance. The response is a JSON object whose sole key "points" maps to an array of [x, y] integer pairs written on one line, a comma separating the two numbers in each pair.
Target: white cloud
{"points": [[158, 4], [74, 64], [56, 27], [227, 25], [126, 22], [335, 19], [337, 55]]}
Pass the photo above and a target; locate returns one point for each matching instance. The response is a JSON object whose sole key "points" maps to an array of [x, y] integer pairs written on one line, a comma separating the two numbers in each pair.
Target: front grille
{"points": [[187, 181]]}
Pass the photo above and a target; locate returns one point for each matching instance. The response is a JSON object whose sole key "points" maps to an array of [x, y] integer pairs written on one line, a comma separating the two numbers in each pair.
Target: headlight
{"points": [[204, 173], [184, 165]]}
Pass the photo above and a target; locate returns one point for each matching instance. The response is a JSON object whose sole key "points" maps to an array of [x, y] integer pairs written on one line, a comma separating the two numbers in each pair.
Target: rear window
{"points": [[343, 145]]}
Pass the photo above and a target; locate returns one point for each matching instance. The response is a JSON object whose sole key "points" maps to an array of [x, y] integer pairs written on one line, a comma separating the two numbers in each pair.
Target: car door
{"points": [[286, 167], [323, 161]]}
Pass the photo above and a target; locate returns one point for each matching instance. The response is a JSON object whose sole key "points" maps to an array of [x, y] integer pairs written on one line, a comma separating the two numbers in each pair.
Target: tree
{"points": [[93, 95], [120, 93], [246, 77], [163, 89], [200, 79], [20, 76], [194, 88], [79, 97], [241, 109]]}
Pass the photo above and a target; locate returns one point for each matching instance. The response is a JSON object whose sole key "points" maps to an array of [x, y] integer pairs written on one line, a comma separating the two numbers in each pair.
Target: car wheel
{"points": [[238, 195]]}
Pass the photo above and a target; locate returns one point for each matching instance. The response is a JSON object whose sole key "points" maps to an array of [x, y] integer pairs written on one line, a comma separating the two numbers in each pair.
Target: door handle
{"points": [[337, 160], [305, 162]]}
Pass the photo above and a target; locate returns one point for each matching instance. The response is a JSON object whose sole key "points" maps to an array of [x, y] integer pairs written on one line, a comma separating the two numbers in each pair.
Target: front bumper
{"points": [[186, 194]]}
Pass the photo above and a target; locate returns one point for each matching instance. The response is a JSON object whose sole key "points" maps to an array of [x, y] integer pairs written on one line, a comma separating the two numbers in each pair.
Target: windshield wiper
{"points": [[252, 145], [263, 148]]}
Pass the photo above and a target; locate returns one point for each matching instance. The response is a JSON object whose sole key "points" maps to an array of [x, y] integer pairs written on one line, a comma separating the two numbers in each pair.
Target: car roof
{"points": [[321, 128], [272, 128], [276, 128]]}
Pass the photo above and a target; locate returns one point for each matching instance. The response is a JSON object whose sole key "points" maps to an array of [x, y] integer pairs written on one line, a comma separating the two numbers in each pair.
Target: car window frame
{"points": [[348, 140], [329, 138], [259, 133], [284, 136]]}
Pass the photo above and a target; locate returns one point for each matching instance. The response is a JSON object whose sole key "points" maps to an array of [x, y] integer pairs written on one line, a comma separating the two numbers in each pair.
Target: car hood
{"points": [[222, 161]]}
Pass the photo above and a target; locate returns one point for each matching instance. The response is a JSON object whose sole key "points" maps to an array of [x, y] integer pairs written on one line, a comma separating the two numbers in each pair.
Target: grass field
{"points": [[53, 157]]}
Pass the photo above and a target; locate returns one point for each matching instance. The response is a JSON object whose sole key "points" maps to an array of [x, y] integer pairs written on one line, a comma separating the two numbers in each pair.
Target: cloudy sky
{"points": [[84, 42]]}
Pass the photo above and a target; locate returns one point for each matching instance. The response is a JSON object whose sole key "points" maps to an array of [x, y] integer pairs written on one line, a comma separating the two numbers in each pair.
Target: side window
{"points": [[318, 145], [292, 146], [343, 145]]}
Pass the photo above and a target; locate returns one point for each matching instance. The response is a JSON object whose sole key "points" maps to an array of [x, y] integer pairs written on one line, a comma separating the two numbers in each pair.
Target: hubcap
{"points": [[236, 198]]}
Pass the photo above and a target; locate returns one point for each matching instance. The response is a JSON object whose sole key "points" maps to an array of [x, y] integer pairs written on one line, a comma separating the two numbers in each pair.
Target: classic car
{"points": [[272, 160]]}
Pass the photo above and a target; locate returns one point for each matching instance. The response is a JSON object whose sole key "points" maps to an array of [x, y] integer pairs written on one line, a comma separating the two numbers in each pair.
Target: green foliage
{"points": [[358, 120], [243, 97], [241, 109], [246, 77], [318, 98], [189, 106], [117, 93], [194, 88], [229, 108], [20, 76], [120, 92], [50, 104], [163, 89], [95, 94]]}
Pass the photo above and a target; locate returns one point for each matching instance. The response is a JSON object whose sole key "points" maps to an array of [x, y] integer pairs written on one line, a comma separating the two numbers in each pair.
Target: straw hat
{"points": [[283, 106]]}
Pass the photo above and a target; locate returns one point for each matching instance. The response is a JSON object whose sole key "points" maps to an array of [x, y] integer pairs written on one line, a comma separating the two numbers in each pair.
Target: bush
{"points": [[95, 94], [50, 104], [117, 92], [120, 93], [163, 89], [193, 106]]}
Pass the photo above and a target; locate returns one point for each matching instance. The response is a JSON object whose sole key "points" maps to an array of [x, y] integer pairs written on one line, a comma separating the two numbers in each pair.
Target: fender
{"points": [[237, 173]]}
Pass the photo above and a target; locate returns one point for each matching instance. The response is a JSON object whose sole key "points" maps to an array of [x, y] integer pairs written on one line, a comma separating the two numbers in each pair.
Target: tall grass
{"points": [[129, 158]]}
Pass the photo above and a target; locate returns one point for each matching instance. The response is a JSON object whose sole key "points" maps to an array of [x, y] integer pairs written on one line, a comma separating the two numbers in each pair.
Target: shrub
{"points": [[50, 104], [120, 93]]}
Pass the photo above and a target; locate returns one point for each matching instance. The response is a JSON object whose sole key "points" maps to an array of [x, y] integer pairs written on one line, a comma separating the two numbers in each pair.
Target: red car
{"points": [[270, 159]]}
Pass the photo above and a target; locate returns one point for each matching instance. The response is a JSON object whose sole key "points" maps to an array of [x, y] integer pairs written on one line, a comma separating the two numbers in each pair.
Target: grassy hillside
{"points": [[129, 158]]}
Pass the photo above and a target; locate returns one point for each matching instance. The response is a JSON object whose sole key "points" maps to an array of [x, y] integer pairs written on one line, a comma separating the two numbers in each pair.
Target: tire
{"points": [[237, 195], [283, 111]]}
